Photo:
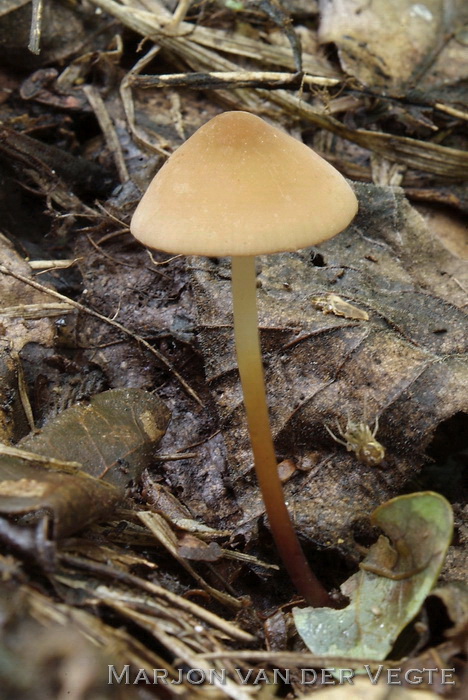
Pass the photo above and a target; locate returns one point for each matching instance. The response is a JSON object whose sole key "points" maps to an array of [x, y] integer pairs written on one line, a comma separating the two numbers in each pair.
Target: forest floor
{"points": [[137, 559]]}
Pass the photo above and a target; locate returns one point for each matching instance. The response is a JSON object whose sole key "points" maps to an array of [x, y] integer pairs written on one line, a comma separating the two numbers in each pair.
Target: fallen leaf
{"points": [[18, 324], [407, 365], [455, 599], [113, 437], [395, 578], [47, 478], [448, 227], [13, 421], [399, 45], [32, 493], [193, 548]]}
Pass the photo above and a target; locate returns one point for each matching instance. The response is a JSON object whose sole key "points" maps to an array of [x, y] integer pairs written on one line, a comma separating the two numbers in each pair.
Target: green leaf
{"points": [[395, 578]]}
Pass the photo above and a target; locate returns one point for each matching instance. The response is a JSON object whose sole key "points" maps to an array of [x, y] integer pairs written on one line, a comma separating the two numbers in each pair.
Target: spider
{"points": [[360, 439]]}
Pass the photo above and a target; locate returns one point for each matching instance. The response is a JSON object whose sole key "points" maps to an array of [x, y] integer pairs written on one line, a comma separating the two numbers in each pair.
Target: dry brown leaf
{"points": [[406, 365], [113, 437], [190, 547], [450, 228], [16, 323], [162, 531], [33, 494], [13, 422], [391, 45]]}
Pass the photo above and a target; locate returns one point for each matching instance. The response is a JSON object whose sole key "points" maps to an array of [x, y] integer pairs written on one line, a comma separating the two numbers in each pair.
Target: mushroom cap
{"points": [[239, 186]]}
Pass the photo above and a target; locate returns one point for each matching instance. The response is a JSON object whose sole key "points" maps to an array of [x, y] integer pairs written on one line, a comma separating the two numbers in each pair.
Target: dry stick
{"points": [[448, 109], [102, 252], [153, 589], [129, 107], [36, 26], [23, 391], [216, 80], [179, 15], [47, 265], [35, 311], [111, 322], [107, 128], [291, 659]]}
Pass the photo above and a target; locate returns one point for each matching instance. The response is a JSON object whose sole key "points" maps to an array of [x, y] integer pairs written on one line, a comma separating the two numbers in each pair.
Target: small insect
{"points": [[333, 304], [360, 439]]}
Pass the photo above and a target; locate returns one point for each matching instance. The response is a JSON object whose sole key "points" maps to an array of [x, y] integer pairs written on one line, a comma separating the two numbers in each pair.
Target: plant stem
{"points": [[249, 360]]}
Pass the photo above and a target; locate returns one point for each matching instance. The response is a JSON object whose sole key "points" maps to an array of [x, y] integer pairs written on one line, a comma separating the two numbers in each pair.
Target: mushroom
{"points": [[239, 187]]}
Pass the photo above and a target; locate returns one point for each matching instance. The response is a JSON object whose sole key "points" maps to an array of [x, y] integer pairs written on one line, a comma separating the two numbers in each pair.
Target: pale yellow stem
{"points": [[249, 360]]}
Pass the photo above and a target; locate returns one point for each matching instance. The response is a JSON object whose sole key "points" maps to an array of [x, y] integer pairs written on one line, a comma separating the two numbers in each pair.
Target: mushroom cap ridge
{"points": [[239, 186]]}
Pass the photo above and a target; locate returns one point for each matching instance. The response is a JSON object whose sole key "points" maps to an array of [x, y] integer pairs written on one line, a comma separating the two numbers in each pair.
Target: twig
{"points": [[290, 659], [69, 467], [105, 319], [33, 311], [175, 457], [178, 16], [107, 127], [97, 247], [129, 107], [172, 598], [47, 265], [110, 236], [217, 80], [162, 262], [23, 391], [36, 26], [451, 110]]}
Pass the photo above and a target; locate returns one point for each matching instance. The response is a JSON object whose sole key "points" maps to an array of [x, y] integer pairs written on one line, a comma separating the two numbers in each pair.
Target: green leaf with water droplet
{"points": [[392, 584]]}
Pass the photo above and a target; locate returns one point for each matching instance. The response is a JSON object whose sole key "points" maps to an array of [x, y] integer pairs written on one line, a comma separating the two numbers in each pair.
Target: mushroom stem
{"points": [[249, 360]]}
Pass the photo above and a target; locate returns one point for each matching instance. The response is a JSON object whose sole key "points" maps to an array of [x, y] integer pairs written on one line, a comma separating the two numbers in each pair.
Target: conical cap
{"points": [[239, 186]]}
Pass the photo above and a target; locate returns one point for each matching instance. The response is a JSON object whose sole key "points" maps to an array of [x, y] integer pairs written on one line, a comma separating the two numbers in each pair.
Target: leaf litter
{"points": [[391, 347], [405, 366]]}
